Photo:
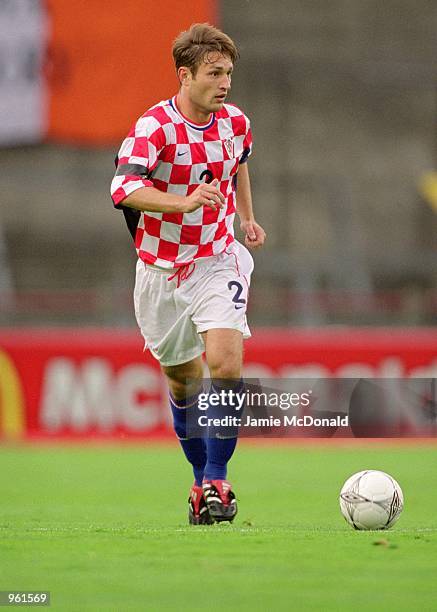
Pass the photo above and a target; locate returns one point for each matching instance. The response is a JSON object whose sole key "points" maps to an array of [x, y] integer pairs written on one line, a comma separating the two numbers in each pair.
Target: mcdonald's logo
{"points": [[12, 420]]}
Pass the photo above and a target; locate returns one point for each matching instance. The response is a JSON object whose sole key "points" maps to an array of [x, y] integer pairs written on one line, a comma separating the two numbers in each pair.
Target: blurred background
{"points": [[343, 99]]}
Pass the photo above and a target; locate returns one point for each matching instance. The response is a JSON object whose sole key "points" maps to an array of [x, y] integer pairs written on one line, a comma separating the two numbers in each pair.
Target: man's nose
{"points": [[226, 82]]}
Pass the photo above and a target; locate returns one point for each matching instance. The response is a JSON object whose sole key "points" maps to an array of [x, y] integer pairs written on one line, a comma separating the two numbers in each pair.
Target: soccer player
{"points": [[181, 177]]}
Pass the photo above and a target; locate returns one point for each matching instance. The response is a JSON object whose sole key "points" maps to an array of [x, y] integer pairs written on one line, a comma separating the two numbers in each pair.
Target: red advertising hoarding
{"points": [[99, 383]]}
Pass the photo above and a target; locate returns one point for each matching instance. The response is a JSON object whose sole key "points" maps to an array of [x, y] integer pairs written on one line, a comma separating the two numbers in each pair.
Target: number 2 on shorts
{"points": [[237, 299]]}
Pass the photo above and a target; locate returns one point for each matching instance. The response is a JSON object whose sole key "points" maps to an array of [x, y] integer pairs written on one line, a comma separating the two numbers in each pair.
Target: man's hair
{"points": [[193, 46]]}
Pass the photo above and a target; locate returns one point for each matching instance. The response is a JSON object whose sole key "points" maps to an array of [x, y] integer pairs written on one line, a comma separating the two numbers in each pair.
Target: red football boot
{"points": [[220, 500], [198, 513]]}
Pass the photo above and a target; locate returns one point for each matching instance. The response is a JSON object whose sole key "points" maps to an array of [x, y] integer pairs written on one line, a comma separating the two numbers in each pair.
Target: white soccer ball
{"points": [[371, 500]]}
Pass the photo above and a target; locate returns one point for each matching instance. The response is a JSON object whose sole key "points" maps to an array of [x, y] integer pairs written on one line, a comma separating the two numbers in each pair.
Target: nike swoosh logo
{"points": [[182, 153], [238, 307]]}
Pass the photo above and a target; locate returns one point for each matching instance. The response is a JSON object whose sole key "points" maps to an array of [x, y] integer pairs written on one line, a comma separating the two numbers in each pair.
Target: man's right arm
{"points": [[150, 199], [137, 158]]}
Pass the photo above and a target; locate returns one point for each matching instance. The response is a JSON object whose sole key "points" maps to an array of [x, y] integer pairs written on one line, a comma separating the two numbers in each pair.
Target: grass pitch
{"points": [[105, 528]]}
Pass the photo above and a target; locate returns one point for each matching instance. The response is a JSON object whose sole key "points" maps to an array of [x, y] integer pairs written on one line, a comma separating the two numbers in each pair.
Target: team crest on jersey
{"points": [[229, 146]]}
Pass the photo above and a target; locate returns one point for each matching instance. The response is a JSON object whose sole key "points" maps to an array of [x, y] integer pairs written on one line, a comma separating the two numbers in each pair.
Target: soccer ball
{"points": [[371, 500]]}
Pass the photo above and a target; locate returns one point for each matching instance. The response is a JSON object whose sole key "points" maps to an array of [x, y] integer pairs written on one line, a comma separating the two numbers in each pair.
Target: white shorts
{"points": [[213, 295]]}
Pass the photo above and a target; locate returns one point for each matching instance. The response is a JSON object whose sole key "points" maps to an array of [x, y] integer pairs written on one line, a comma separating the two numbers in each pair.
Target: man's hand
{"points": [[254, 234], [204, 195]]}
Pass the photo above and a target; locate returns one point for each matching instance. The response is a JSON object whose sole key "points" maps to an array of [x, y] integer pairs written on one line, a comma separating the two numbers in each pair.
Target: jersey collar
{"points": [[196, 126]]}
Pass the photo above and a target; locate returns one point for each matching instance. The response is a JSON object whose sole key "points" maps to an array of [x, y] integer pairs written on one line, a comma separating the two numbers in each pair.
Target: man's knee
{"points": [[226, 365], [184, 379], [224, 353], [225, 372]]}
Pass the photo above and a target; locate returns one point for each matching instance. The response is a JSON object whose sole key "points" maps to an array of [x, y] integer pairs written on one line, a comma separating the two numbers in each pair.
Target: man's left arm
{"points": [[254, 233]]}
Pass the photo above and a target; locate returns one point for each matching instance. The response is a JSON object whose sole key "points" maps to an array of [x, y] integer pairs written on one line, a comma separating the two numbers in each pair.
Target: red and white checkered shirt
{"points": [[167, 151]]}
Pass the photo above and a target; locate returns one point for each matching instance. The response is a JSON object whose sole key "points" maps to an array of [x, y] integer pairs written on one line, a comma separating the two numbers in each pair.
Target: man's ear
{"points": [[184, 75]]}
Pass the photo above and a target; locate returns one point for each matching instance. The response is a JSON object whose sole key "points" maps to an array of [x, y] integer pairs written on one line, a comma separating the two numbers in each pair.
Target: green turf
{"points": [[104, 528]]}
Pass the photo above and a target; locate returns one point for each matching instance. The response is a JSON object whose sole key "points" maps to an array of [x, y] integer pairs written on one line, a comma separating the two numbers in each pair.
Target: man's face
{"points": [[209, 87]]}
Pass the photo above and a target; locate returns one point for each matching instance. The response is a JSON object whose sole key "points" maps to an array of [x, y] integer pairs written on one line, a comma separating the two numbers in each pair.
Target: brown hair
{"points": [[191, 47]]}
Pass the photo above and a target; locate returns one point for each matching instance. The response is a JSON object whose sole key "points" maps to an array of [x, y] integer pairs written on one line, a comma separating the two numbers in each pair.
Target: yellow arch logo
{"points": [[12, 423]]}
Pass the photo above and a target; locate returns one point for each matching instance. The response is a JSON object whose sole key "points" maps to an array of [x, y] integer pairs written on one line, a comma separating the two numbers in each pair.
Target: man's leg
{"points": [[184, 383], [224, 355]]}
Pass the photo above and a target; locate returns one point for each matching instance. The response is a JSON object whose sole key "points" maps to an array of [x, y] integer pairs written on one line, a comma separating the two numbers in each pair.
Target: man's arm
{"points": [[254, 233], [152, 200], [137, 158]]}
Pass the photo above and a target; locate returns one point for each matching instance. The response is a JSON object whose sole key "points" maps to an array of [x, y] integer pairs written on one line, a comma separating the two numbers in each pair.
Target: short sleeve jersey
{"points": [[167, 151]]}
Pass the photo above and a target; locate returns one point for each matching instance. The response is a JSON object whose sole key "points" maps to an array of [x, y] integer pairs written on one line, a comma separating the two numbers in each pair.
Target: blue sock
{"points": [[220, 449], [194, 448]]}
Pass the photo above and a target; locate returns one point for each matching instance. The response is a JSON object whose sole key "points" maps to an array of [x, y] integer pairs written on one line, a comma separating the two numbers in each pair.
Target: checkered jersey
{"points": [[167, 151]]}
